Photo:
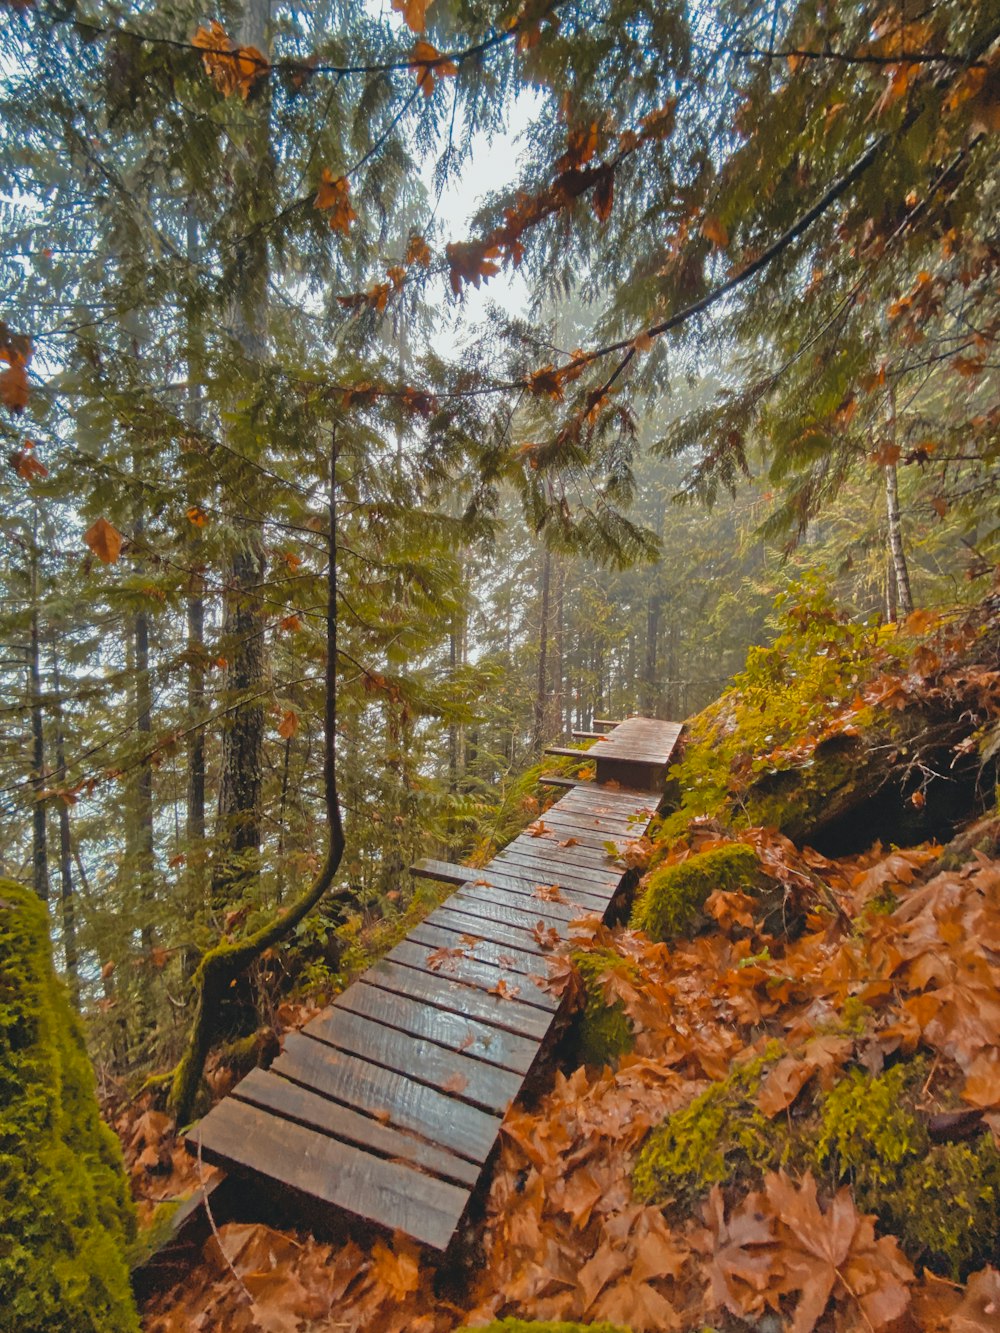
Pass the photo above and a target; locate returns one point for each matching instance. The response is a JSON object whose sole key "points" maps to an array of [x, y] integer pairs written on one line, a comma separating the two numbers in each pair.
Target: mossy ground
{"points": [[719, 1137], [602, 1033], [940, 1200], [66, 1221], [672, 899]]}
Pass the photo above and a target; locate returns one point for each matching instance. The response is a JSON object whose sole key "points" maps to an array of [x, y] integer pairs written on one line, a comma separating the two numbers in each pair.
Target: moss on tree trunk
{"points": [[66, 1219]]}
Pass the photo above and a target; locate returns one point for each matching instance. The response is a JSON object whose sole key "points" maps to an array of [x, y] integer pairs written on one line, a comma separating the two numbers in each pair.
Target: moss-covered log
{"points": [[66, 1219]]}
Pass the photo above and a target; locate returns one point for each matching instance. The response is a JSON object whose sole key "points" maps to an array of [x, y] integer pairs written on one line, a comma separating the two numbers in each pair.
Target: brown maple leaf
{"points": [[104, 540], [231, 68], [414, 12], [334, 197], [430, 65]]}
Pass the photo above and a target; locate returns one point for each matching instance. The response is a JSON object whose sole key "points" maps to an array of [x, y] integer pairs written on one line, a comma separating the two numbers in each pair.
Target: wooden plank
{"points": [[389, 1097], [390, 1194], [558, 914], [569, 751], [469, 972], [587, 735], [456, 1032], [514, 880], [484, 1085], [494, 910], [484, 950], [461, 923], [568, 906], [513, 1015], [613, 824], [555, 780], [289, 1101], [444, 872], [549, 869], [583, 855]]}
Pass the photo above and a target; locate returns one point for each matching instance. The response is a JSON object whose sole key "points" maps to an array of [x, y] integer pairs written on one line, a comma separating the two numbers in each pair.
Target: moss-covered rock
{"points": [[672, 899], [546, 1326], [720, 1136], [602, 1031], [941, 1200], [66, 1220]]}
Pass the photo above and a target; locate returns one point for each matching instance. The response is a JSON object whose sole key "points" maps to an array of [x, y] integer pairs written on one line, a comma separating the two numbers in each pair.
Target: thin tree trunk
{"points": [[67, 898], [143, 846], [558, 647], [904, 596], [39, 843], [543, 650], [195, 808], [650, 690]]}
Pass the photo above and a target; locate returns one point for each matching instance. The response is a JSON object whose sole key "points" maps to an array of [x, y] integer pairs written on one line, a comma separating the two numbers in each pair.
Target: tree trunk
{"points": [[543, 651], [195, 810], [142, 849], [558, 645], [650, 692], [39, 845], [236, 864], [904, 596], [67, 899]]}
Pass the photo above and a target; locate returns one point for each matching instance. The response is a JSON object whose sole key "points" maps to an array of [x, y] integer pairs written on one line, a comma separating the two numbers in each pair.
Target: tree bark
{"points": [[236, 863], [904, 596], [39, 844], [67, 897], [195, 807], [543, 650], [142, 851], [650, 692]]}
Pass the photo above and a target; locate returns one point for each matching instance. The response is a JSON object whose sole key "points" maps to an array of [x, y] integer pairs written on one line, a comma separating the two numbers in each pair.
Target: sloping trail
{"points": [[388, 1104]]}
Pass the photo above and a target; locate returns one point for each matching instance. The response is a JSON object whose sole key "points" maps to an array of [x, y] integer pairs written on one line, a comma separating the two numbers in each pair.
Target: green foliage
{"points": [[671, 901], [67, 1220], [741, 762], [718, 1137], [603, 1031]]}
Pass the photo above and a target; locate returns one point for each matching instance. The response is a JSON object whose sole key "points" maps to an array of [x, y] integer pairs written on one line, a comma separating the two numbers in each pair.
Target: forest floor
{"points": [[793, 1119]]}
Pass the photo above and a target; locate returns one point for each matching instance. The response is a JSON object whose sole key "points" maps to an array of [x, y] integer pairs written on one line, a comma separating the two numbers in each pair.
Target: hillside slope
{"points": [[789, 1111]]}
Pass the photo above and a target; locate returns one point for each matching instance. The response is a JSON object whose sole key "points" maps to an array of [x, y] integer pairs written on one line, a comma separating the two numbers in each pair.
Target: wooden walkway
{"points": [[387, 1106]]}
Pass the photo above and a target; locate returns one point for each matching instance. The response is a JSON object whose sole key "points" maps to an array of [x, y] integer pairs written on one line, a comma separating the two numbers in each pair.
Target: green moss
{"points": [[947, 1207], [671, 901], [603, 1031], [66, 1220], [867, 1130], [721, 1135], [546, 1326], [941, 1200]]}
